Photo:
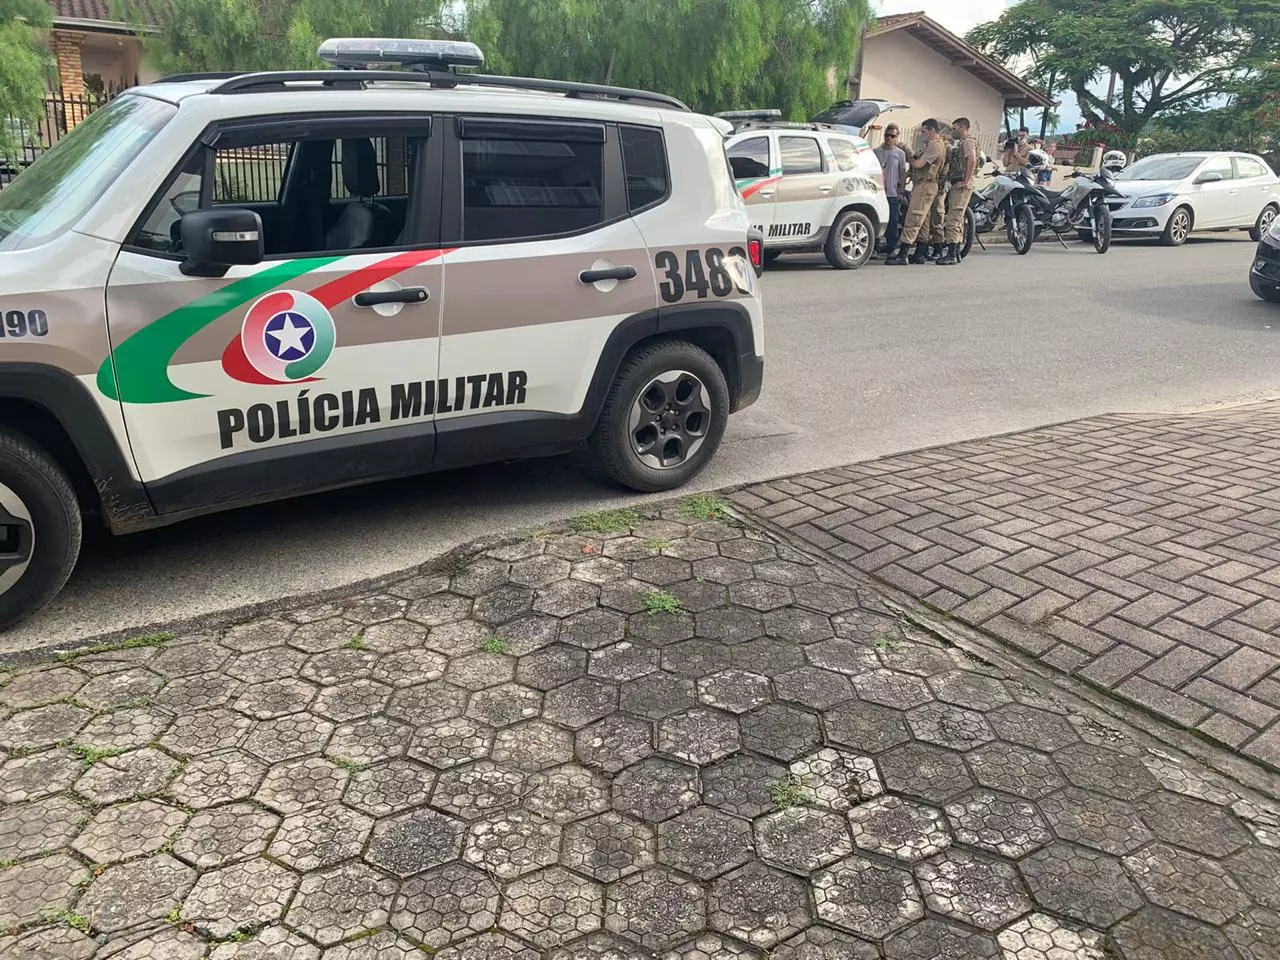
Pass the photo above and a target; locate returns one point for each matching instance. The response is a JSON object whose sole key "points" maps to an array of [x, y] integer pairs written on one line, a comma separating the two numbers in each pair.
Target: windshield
{"points": [[56, 190], [1167, 167]]}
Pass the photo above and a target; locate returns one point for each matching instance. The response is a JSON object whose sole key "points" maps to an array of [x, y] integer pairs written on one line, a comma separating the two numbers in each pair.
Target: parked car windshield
{"points": [[1167, 167], [56, 190]]}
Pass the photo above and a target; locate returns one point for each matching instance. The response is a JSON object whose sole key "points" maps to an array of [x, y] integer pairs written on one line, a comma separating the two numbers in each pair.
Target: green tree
{"points": [[713, 54], [1167, 55], [214, 35], [24, 68]]}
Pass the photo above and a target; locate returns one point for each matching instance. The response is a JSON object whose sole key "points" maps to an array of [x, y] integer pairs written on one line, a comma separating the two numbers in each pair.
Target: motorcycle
{"points": [[1067, 211], [1007, 196]]}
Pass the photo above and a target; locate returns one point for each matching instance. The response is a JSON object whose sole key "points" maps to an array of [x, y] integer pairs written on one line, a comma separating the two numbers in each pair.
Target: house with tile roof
{"points": [[909, 58], [97, 52]]}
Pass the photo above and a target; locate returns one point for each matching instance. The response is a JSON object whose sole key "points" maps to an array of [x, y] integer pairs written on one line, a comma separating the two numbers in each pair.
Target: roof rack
{"points": [[188, 77], [258, 82]]}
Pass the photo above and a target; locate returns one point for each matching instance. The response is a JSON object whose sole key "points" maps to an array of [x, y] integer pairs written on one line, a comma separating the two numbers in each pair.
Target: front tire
{"points": [[1177, 229], [1101, 228], [1264, 291], [664, 417], [1021, 229], [851, 241], [1263, 224], [40, 528]]}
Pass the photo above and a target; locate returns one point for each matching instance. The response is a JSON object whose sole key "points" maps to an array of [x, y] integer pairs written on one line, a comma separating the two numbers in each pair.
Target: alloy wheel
{"points": [[855, 241], [669, 419], [1264, 222], [1181, 226], [17, 538]]}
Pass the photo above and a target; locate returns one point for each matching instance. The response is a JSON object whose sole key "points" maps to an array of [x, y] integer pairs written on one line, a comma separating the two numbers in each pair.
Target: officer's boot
{"points": [[898, 259], [935, 251], [921, 254], [951, 257]]}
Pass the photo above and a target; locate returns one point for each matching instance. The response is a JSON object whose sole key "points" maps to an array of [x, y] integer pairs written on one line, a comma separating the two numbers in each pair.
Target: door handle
{"points": [[765, 193], [825, 188], [372, 298], [613, 273]]}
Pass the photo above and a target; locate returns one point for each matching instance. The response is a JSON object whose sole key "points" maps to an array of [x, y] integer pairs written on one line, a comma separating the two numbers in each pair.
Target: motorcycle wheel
{"points": [[970, 231], [1101, 228], [1021, 229]]}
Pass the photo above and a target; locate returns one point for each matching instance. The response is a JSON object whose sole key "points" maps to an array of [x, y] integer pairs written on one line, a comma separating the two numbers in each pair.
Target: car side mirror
{"points": [[214, 240], [1210, 177]]}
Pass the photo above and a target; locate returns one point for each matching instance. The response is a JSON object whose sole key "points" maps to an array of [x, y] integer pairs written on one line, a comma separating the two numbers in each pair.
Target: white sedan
{"points": [[1168, 195]]}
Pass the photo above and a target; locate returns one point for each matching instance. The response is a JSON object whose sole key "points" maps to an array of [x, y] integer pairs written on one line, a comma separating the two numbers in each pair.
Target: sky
{"points": [[959, 16]]}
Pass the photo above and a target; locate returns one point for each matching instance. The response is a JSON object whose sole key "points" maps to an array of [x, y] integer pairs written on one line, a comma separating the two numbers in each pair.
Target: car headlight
{"points": [[1159, 200]]}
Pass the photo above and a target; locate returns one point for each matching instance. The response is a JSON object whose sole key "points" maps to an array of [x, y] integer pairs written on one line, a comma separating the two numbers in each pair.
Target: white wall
{"points": [[896, 66]]}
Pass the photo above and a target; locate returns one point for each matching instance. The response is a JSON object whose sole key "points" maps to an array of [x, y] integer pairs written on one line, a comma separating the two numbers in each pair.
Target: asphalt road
{"points": [[860, 364]]}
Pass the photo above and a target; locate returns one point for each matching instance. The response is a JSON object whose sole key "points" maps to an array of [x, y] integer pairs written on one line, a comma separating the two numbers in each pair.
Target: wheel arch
{"points": [[54, 411], [864, 208]]}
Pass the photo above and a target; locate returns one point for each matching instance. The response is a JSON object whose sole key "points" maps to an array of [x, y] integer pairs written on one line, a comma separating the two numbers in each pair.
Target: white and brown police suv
{"points": [[223, 289], [812, 187]]}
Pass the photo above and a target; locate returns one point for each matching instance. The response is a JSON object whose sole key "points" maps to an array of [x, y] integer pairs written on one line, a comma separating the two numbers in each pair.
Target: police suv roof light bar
{"points": [[738, 115], [356, 53]]}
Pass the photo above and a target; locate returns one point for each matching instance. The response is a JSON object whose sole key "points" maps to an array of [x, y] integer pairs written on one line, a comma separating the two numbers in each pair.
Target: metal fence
{"points": [[243, 175], [60, 116]]}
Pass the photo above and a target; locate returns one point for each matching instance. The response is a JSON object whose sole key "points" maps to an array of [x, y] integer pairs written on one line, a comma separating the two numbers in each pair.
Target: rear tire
{"points": [[1021, 229], [666, 385], [1263, 224], [40, 528], [1264, 291], [970, 233], [851, 241], [1178, 228]]}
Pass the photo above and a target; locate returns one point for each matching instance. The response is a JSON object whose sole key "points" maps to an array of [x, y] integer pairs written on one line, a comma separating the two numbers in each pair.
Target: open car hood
{"points": [[855, 115]]}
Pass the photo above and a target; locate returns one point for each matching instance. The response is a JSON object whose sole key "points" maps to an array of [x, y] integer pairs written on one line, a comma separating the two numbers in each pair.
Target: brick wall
{"points": [[66, 51]]}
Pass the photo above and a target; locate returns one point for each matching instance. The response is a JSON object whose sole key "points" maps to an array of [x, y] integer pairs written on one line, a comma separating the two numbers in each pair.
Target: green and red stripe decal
{"points": [[138, 369], [751, 187]]}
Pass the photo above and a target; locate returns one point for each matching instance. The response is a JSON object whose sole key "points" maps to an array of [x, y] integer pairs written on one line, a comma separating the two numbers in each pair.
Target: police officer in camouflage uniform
{"points": [[924, 170], [938, 212], [961, 171]]}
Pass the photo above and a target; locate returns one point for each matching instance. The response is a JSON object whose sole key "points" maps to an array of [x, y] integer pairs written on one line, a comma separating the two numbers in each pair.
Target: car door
{"points": [[313, 368], [806, 188], [756, 173], [545, 264], [1217, 200], [1254, 186]]}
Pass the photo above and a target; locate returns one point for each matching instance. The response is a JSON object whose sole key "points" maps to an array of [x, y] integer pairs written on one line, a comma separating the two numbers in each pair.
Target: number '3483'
{"points": [[17, 323], [701, 272]]}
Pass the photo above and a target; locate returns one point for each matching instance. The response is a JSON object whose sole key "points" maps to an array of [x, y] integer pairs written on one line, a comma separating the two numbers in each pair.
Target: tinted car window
{"points": [[1246, 168], [1219, 165], [1164, 167], [845, 153], [644, 158], [750, 158], [800, 155], [517, 189]]}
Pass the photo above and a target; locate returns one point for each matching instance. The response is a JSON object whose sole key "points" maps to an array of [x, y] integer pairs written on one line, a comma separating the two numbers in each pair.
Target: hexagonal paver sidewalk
{"points": [[513, 760]]}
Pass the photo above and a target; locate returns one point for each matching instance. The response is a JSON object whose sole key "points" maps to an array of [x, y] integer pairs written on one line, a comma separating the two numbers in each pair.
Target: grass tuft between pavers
{"points": [[790, 791], [704, 506], [659, 601], [605, 521]]}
